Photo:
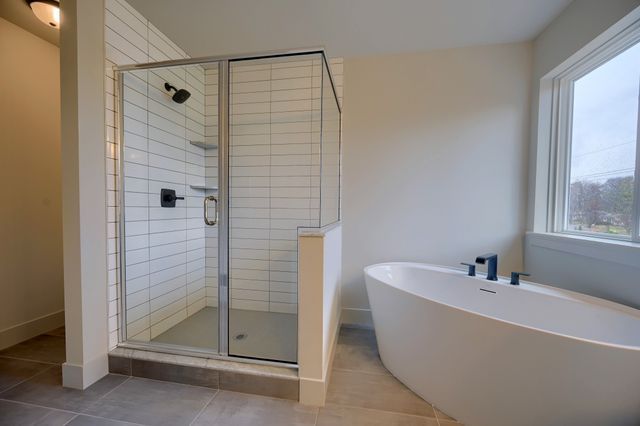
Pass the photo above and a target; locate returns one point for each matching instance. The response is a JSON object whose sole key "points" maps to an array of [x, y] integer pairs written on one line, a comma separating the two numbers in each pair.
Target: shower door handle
{"points": [[206, 210]]}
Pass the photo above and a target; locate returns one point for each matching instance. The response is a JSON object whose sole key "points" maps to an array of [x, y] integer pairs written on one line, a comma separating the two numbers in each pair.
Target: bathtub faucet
{"points": [[492, 267]]}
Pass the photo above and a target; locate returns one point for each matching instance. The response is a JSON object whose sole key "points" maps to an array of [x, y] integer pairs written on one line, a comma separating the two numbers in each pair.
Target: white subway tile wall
{"points": [[275, 133], [274, 174], [171, 255]]}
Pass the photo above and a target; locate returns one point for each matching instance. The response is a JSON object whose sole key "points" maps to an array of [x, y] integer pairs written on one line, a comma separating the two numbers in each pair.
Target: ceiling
{"points": [[18, 12], [346, 27]]}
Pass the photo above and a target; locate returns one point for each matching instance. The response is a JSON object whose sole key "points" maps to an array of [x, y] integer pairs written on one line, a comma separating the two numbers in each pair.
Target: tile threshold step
{"points": [[253, 378]]}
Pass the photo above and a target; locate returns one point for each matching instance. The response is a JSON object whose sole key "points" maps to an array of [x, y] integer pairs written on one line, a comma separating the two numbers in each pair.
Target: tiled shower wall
{"points": [[274, 168], [168, 280]]}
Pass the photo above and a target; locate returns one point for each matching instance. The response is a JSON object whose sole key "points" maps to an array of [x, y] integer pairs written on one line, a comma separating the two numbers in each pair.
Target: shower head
{"points": [[180, 96]]}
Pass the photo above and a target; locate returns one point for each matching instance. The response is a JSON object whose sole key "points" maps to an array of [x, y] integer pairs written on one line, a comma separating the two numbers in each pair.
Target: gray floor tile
{"points": [[15, 413], [153, 402], [358, 358], [336, 415], [375, 391], [46, 390], [82, 420], [41, 348], [357, 336], [14, 371], [238, 409], [56, 418]]}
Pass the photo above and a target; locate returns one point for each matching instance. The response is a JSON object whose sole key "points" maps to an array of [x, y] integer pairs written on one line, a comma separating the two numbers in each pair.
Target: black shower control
{"points": [[168, 197]]}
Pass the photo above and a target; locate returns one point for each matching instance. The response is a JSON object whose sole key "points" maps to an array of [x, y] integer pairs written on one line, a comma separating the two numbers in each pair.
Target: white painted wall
{"points": [[31, 288], [434, 160], [332, 303], [598, 269]]}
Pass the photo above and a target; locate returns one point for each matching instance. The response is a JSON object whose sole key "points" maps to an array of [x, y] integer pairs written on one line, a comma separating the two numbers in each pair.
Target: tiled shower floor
{"points": [[266, 335], [361, 392]]}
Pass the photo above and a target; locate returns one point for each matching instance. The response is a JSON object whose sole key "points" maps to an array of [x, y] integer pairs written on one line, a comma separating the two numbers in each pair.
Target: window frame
{"points": [[561, 137]]}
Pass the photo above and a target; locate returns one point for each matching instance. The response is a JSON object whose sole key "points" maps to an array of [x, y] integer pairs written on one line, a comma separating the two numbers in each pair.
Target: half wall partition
{"points": [[222, 161]]}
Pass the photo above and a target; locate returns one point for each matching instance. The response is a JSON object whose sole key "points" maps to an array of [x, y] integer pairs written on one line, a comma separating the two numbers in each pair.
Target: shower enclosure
{"points": [[222, 162]]}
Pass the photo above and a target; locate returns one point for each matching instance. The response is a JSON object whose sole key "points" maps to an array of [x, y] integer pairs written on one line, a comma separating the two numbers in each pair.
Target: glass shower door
{"points": [[274, 172], [169, 161]]}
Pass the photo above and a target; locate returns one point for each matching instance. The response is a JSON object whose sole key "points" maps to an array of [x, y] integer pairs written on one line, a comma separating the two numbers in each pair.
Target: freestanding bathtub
{"points": [[492, 354]]}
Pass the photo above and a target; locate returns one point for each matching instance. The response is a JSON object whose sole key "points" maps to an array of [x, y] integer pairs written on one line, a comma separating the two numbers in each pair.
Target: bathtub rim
{"points": [[580, 297]]}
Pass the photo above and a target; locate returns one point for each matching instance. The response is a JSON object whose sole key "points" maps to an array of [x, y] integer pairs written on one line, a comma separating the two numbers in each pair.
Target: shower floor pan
{"points": [[252, 334]]}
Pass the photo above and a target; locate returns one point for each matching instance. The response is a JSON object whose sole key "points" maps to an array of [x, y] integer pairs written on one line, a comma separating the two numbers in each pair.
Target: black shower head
{"points": [[180, 96]]}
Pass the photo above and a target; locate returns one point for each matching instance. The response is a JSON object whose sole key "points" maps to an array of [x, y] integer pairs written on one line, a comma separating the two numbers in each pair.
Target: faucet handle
{"points": [[515, 277], [472, 268]]}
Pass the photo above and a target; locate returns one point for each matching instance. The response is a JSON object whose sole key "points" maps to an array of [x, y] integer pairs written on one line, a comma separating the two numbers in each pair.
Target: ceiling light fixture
{"points": [[48, 11]]}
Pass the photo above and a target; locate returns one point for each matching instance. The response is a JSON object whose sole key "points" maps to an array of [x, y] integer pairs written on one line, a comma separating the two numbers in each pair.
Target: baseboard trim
{"points": [[314, 391], [332, 355], [81, 376], [354, 317], [32, 328]]}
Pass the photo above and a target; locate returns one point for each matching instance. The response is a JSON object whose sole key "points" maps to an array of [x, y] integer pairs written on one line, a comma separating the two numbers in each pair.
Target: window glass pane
{"points": [[603, 146]]}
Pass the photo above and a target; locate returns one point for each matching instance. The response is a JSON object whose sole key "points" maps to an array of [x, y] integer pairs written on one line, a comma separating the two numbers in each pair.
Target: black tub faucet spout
{"points": [[492, 267]]}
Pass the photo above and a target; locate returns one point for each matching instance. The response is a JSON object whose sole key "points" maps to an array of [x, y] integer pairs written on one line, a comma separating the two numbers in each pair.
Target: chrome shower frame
{"points": [[223, 205]]}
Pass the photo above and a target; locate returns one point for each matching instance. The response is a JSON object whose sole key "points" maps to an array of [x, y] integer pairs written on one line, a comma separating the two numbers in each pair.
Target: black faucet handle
{"points": [[515, 277], [472, 268]]}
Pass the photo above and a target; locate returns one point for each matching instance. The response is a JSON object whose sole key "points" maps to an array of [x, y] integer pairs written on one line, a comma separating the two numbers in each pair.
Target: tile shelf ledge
{"points": [[204, 145], [204, 187]]}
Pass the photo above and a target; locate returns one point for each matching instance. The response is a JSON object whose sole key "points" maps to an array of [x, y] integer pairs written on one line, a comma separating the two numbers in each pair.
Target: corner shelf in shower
{"points": [[204, 145], [204, 187]]}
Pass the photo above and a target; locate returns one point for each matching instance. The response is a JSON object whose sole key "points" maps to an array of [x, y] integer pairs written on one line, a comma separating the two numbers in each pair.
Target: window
{"points": [[598, 153]]}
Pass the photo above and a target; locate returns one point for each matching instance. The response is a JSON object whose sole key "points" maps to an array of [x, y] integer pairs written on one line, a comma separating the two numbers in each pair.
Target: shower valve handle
{"points": [[172, 197], [168, 197]]}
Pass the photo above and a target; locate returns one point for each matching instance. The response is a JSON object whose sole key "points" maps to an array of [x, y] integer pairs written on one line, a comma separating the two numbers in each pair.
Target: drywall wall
{"points": [[602, 269], [31, 288], [599, 269], [434, 160]]}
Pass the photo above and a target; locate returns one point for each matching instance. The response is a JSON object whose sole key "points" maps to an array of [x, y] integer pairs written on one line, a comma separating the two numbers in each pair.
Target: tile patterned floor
{"points": [[361, 392]]}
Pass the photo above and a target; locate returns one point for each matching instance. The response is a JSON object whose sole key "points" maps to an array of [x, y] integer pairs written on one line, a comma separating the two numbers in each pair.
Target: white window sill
{"points": [[623, 252]]}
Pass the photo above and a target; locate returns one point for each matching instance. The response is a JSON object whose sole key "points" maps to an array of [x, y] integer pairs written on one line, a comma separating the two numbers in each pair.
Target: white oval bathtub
{"points": [[489, 353]]}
